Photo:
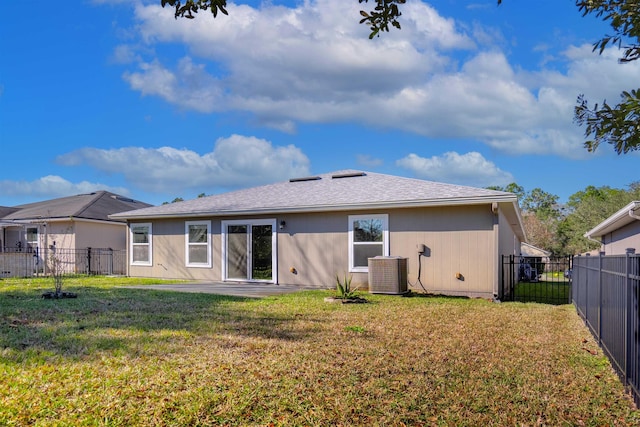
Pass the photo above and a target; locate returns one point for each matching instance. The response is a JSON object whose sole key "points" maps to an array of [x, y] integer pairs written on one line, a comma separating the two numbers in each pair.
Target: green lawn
{"points": [[117, 356], [546, 292]]}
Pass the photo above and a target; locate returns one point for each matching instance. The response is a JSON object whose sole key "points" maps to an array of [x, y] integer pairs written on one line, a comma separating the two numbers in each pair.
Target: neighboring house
{"points": [[533, 261], [74, 222], [619, 232], [309, 230]]}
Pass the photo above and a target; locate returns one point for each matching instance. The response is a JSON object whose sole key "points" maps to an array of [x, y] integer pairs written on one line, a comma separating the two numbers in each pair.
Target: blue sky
{"points": [[120, 96]]}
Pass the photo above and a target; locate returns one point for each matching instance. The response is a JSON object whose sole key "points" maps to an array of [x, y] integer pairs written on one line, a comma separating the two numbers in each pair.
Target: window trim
{"points": [[149, 243], [187, 244], [385, 239]]}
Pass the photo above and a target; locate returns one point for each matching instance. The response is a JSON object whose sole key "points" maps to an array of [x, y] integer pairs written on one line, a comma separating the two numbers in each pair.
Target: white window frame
{"points": [[149, 243], [188, 244], [384, 243]]}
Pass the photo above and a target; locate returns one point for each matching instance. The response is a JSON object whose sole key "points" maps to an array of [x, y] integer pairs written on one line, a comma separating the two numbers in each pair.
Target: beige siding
{"points": [[313, 249], [168, 254], [62, 234], [317, 247], [100, 235], [460, 242], [618, 241], [509, 244]]}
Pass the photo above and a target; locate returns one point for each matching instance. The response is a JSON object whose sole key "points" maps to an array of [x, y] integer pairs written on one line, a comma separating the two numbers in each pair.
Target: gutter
{"points": [[316, 208]]}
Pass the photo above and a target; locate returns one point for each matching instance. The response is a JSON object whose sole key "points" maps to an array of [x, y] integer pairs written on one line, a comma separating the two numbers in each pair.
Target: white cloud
{"points": [[236, 161], [53, 186], [313, 63], [466, 169]]}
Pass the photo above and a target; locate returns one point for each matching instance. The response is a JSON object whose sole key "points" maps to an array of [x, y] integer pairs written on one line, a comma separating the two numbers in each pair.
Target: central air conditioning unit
{"points": [[387, 275]]}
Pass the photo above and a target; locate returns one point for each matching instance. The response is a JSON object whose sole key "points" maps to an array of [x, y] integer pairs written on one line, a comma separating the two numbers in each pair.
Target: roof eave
{"points": [[326, 208], [614, 222]]}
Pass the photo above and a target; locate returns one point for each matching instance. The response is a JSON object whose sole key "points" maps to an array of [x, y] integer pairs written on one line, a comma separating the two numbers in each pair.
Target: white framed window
{"points": [[140, 236], [368, 237], [31, 237], [197, 236]]}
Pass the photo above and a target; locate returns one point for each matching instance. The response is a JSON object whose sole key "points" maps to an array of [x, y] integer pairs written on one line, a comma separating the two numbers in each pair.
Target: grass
{"points": [[118, 356], [543, 291]]}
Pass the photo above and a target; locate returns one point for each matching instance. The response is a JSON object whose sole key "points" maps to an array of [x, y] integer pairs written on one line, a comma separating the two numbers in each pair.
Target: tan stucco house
{"points": [[72, 222], [619, 232], [305, 231]]}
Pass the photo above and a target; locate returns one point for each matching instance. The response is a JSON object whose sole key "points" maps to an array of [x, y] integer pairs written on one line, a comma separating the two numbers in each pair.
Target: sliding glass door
{"points": [[249, 250]]}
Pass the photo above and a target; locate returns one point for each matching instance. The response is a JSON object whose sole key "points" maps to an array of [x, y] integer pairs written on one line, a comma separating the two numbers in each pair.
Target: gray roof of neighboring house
{"points": [[5, 210], [527, 249], [342, 190], [95, 206], [624, 216]]}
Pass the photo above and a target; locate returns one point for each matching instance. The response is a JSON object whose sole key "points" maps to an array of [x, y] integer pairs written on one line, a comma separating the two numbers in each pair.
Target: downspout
{"points": [[632, 215], [596, 241]]}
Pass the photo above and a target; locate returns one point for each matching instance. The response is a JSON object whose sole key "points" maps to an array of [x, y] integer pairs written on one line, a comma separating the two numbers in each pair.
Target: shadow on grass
{"points": [[124, 320]]}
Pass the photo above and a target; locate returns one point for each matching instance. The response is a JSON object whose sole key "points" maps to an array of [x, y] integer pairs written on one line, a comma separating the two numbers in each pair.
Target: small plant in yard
{"points": [[57, 269], [346, 293], [344, 288]]}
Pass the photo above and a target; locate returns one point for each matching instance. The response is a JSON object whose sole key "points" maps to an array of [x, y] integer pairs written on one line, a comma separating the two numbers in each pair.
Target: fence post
{"points": [[512, 279], [627, 297], [600, 299]]}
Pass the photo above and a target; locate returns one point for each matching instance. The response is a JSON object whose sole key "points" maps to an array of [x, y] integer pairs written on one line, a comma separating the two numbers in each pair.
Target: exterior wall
{"points": [[100, 235], [460, 243], [313, 249], [617, 242], [509, 244], [62, 234]]}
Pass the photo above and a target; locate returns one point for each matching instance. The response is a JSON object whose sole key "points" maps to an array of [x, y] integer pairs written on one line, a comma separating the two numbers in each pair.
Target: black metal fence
{"points": [[544, 280], [605, 293], [18, 262]]}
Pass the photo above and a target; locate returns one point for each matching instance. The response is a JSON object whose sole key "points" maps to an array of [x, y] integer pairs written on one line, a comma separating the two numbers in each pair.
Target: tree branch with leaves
{"points": [[619, 124], [385, 12]]}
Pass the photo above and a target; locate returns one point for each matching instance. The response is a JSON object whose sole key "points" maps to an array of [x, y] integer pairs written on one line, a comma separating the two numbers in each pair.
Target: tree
{"points": [[514, 188], [616, 125], [540, 216], [589, 208], [541, 232], [541, 203], [385, 13], [176, 200]]}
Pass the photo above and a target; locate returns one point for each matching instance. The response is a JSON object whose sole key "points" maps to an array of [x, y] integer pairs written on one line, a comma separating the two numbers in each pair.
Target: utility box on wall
{"points": [[387, 275]]}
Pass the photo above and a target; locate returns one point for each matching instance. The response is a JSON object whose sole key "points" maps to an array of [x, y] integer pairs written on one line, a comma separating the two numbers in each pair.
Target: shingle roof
{"points": [[96, 206], [340, 190]]}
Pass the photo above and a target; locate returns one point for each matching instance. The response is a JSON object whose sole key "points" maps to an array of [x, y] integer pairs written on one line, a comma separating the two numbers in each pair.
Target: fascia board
{"points": [[326, 208], [614, 222]]}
